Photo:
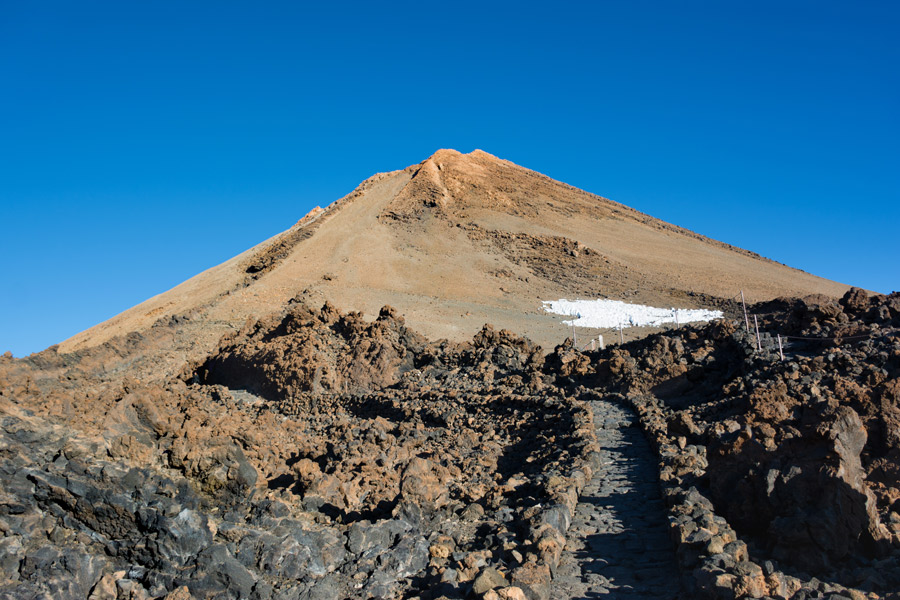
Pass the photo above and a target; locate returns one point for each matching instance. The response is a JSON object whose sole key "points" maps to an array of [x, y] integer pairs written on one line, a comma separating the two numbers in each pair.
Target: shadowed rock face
{"points": [[808, 497]]}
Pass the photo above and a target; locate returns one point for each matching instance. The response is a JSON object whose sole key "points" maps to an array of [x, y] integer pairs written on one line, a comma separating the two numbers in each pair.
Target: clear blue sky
{"points": [[143, 142]]}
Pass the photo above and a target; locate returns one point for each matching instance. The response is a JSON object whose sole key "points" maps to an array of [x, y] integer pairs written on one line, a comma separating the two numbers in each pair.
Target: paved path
{"points": [[618, 541]]}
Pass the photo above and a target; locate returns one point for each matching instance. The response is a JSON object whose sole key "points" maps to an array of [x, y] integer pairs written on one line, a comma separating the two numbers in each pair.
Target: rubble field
{"points": [[320, 455]]}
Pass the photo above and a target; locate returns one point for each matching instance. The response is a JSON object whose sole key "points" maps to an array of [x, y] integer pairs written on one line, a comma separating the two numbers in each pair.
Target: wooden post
{"points": [[592, 345], [600, 341], [780, 350], [574, 337], [621, 337], [675, 312], [758, 342], [746, 320]]}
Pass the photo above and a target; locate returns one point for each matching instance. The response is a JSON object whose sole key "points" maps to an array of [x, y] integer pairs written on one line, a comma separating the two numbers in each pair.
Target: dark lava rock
{"points": [[314, 455]]}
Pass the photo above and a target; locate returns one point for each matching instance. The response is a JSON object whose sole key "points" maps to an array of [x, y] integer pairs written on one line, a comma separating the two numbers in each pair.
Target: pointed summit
{"points": [[443, 154], [448, 155], [456, 241]]}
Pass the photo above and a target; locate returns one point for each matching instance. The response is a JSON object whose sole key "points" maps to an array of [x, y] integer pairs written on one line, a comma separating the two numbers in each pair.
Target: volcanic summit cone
{"points": [[456, 241]]}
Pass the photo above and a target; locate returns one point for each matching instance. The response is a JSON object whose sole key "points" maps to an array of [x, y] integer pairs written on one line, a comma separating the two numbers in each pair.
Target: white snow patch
{"points": [[611, 314]]}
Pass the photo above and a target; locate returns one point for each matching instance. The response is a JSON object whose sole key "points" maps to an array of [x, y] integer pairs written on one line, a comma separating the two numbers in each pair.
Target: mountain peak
{"points": [[443, 154], [459, 240]]}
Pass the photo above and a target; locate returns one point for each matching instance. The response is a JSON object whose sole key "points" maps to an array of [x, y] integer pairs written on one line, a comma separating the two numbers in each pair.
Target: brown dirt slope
{"points": [[456, 241]]}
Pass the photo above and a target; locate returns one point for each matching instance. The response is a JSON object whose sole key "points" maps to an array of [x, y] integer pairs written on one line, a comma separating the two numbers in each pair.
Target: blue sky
{"points": [[141, 143]]}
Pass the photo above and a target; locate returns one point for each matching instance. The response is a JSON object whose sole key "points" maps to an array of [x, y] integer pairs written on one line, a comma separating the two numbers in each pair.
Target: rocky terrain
{"points": [[311, 456], [320, 455], [781, 476]]}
